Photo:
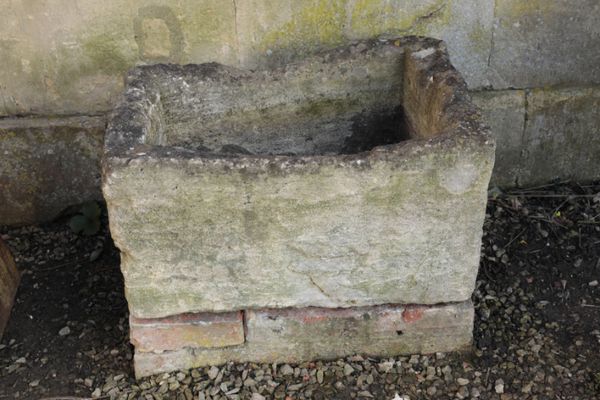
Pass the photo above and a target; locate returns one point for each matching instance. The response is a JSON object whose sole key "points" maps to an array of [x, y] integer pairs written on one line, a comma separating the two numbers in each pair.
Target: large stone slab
{"points": [[539, 43], [562, 135], [332, 208], [273, 32], [69, 56], [296, 335], [505, 111], [47, 164], [9, 283]]}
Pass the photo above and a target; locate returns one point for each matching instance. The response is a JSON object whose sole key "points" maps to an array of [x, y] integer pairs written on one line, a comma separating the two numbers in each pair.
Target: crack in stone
{"points": [[313, 282], [319, 287], [236, 33], [432, 14], [492, 36]]}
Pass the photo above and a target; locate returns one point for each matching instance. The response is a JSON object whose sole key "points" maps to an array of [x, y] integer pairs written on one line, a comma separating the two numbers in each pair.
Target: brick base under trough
{"points": [[296, 335]]}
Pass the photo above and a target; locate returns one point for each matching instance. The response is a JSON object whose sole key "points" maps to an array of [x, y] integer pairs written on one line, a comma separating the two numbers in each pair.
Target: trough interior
{"points": [[319, 110]]}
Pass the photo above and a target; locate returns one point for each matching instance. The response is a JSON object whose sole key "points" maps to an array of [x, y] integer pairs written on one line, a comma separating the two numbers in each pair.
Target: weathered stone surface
{"points": [[9, 283], [295, 335], [562, 135], [332, 209], [539, 42], [69, 57], [505, 112], [202, 330], [279, 31], [47, 165]]}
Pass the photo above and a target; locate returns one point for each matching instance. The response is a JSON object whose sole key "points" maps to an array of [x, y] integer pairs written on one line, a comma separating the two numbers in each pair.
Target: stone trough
{"points": [[328, 207]]}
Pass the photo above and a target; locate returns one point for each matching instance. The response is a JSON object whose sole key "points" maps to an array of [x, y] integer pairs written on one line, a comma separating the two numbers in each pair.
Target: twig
{"points": [[58, 266], [514, 238], [545, 186], [590, 305]]}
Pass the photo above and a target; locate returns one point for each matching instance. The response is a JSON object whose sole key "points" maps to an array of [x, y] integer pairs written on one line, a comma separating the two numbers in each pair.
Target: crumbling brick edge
{"points": [[296, 335]]}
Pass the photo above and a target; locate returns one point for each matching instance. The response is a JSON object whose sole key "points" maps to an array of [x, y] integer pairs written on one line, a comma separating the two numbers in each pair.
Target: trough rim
{"points": [[126, 144]]}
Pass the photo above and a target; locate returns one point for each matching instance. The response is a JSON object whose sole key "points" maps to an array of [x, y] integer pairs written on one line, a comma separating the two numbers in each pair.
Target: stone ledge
{"points": [[296, 335]]}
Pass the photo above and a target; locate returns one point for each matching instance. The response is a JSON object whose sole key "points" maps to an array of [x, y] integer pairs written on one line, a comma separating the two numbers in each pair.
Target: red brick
{"points": [[9, 282], [201, 330]]}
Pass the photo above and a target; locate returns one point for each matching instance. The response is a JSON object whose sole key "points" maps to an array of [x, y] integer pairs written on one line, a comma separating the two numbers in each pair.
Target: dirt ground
{"points": [[537, 328]]}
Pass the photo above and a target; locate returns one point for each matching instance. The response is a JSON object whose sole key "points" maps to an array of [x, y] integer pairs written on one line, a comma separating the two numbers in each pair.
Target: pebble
{"points": [[286, 370], [499, 386], [320, 376], [348, 370], [462, 381], [64, 331], [213, 372]]}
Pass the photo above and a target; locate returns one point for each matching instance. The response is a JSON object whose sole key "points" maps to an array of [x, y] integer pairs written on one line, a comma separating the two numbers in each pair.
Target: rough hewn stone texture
{"points": [[278, 31], [562, 135], [332, 209], [545, 42], [505, 112], [47, 165], [202, 330], [300, 335], [9, 283], [69, 56]]}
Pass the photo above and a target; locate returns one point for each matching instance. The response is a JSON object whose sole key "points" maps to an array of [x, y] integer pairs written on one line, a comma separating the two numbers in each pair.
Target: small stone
{"points": [[386, 366], [462, 393], [462, 381], [64, 331], [431, 390], [34, 383], [593, 283], [499, 386], [213, 372], [258, 396], [286, 370], [96, 393], [348, 370], [320, 376]]}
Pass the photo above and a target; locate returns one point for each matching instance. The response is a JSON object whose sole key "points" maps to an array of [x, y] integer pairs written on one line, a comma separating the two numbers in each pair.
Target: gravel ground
{"points": [[537, 328]]}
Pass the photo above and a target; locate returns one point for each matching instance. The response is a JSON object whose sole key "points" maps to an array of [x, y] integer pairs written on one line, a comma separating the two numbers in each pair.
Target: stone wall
{"points": [[534, 67]]}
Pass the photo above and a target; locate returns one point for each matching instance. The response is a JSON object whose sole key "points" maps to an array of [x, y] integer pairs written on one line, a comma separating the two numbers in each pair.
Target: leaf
{"points": [[91, 210], [78, 223]]}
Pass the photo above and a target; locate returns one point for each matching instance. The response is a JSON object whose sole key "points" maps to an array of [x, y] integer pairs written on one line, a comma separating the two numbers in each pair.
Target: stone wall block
{"points": [[538, 43], [47, 164]]}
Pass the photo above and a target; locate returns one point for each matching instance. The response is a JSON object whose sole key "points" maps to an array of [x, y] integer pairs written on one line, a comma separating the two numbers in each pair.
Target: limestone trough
{"points": [[350, 181]]}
